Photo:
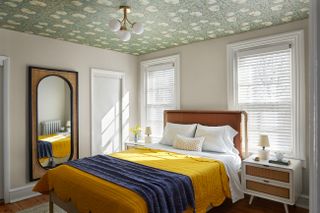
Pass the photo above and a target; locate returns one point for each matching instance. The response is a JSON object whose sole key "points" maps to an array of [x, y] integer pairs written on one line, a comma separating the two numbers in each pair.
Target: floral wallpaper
{"points": [[167, 23]]}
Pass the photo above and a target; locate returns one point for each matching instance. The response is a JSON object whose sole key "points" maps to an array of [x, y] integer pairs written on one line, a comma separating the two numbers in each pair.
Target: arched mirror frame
{"points": [[36, 74]]}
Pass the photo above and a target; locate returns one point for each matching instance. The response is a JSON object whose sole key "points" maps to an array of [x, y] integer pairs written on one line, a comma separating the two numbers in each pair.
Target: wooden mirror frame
{"points": [[36, 74]]}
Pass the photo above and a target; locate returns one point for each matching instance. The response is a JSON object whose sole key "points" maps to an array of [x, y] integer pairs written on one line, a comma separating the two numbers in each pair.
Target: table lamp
{"points": [[264, 142], [148, 132], [68, 126]]}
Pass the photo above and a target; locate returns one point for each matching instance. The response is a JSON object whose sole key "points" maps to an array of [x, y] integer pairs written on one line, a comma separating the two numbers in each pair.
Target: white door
{"points": [[1, 132], [106, 108]]}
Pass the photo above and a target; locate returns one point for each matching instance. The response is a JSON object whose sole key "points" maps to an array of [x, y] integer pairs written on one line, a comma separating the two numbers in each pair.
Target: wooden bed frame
{"points": [[236, 119]]}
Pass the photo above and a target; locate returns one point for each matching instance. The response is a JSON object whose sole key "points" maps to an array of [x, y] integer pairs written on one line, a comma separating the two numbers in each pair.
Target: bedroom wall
{"points": [[204, 70], [1, 130], [24, 50], [318, 97]]}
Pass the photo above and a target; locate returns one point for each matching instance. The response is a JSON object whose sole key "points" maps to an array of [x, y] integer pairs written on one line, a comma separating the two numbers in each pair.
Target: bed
{"points": [[53, 146], [214, 175]]}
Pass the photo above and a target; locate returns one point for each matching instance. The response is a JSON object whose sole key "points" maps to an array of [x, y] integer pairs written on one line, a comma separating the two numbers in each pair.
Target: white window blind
{"points": [[264, 91], [160, 95]]}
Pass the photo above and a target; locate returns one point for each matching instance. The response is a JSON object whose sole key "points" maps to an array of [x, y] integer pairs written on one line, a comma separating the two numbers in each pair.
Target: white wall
{"points": [[24, 50], [1, 131], [318, 99], [314, 107], [203, 77]]}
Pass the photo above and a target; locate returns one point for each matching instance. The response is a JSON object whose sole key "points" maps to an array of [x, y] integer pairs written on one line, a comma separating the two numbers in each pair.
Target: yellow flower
{"points": [[135, 130]]}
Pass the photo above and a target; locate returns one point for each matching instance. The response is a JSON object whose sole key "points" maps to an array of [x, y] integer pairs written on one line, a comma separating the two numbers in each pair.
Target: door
{"points": [[106, 108], [1, 133]]}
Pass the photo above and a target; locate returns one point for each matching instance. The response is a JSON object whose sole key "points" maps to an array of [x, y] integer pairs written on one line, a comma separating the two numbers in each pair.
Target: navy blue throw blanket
{"points": [[44, 149], [164, 192]]}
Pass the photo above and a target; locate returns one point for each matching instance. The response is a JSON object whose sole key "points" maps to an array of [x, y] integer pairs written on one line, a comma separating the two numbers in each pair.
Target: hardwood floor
{"points": [[24, 204], [259, 206]]}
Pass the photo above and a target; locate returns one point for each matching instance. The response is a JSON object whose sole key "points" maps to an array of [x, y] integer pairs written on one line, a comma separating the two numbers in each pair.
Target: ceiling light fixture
{"points": [[121, 26]]}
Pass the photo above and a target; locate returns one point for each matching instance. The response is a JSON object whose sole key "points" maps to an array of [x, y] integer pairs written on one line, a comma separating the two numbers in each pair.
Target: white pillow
{"points": [[172, 130], [187, 143], [217, 138]]}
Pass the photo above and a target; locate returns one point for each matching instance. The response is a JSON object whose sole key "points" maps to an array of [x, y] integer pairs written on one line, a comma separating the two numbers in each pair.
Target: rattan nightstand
{"points": [[272, 181]]}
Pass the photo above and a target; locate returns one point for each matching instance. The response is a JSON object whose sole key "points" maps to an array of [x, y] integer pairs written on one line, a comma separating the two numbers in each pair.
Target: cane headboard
{"points": [[210, 118]]}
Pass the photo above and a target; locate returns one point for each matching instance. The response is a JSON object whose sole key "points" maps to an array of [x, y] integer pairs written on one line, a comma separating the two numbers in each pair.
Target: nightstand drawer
{"points": [[268, 173], [268, 189]]}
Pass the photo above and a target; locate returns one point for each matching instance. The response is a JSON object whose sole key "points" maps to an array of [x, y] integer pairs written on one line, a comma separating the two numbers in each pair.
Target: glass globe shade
{"points": [[137, 28], [114, 25], [124, 35]]}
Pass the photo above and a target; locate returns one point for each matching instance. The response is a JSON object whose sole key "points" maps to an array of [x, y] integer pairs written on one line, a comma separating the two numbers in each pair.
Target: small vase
{"points": [[136, 138]]}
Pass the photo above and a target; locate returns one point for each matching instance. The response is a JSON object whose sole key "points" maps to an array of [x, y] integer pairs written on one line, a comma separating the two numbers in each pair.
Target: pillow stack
{"points": [[197, 137]]}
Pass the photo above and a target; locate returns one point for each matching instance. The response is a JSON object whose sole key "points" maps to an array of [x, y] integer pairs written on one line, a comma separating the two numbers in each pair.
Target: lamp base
{"points": [[147, 139], [264, 154]]}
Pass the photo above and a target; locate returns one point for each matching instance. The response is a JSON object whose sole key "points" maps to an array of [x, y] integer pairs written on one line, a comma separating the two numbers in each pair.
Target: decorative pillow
{"points": [[217, 138], [172, 130], [187, 143]]}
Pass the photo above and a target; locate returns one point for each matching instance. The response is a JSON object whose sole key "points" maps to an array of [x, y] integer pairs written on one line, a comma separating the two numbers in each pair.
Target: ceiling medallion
{"points": [[121, 26]]}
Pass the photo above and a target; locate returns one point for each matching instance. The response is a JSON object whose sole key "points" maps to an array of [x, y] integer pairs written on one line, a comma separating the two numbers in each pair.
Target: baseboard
{"points": [[303, 201], [22, 193]]}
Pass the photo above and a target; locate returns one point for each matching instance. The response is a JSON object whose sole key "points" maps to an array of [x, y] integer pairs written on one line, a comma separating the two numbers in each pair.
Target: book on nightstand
{"points": [[283, 162]]}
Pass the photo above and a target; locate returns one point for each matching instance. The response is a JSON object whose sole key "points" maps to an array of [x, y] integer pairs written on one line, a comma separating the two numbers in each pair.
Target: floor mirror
{"points": [[53, 106]]}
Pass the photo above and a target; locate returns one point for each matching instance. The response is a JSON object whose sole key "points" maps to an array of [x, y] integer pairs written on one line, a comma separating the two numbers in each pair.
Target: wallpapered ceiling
{"points": [[167, 23]]}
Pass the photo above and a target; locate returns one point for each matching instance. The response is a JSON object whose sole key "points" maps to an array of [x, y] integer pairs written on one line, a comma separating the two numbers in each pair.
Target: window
{"points": [[160, 91], [266, 80]]}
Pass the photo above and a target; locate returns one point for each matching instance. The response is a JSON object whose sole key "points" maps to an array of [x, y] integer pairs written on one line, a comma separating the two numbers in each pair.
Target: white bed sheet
{"points": [[232, 163]]}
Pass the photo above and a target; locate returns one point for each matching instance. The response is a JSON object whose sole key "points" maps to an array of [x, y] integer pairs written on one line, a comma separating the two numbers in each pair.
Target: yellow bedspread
{"points": [[61, 146], [90, 193]]}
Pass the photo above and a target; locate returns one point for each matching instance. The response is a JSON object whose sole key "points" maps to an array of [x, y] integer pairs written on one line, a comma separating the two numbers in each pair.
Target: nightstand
{"points": [[132, 144], [272, 181]]}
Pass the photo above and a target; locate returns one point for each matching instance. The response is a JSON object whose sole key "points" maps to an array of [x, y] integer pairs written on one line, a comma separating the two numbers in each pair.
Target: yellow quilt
{"points": [[90, 193], [61, 146]]}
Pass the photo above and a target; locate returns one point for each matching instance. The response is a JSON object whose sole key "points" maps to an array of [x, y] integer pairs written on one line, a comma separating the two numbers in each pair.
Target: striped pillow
{"points": [[187, 143]]}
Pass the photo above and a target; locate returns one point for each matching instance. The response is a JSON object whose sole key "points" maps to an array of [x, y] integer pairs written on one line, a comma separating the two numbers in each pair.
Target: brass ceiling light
{"points": [[121, 26]]}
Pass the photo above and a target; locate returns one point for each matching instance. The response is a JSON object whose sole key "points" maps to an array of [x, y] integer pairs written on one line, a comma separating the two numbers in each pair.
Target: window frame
{"points": [[143, 69], [296, 39]]}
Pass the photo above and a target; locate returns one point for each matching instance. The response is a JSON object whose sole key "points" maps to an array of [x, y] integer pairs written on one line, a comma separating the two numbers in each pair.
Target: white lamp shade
{"points": [[148, 131], [264, 140], [137, 28], [114, 25], [124, 35], [68, 124]]}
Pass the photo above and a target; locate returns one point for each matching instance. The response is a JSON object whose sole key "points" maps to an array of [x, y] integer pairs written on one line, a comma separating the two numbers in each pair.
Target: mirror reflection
{"points": [[54, 126]]}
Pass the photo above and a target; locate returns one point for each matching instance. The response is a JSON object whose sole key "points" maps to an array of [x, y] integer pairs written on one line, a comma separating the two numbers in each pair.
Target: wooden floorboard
{"points": [[259, 206], [24, 204]]}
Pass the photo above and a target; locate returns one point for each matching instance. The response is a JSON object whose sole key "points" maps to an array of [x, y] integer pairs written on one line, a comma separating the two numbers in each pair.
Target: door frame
{"points": [[5, 61], [96, 72], [314, 147]]}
